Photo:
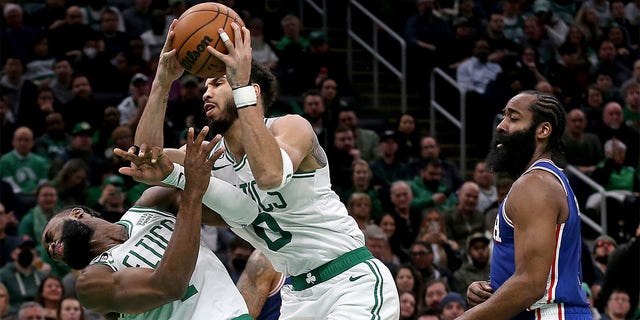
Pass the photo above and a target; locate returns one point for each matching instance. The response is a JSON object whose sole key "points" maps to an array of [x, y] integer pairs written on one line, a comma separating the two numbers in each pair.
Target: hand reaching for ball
{"points": [[238, 60], [169, 69]]}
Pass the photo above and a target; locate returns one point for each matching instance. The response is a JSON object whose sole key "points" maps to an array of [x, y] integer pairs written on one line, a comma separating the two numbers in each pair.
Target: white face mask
{"points": [[90, 52]]}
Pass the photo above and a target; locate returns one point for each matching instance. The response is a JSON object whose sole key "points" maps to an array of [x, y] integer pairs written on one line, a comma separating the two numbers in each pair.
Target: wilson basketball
{"points": [[196, 29]]}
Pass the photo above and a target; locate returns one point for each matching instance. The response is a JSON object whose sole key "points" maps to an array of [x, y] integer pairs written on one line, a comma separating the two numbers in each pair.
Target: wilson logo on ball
{"points": [[192, 56]]}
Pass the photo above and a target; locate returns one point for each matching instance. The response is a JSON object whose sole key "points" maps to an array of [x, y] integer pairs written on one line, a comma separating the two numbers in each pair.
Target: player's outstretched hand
{"points": [[169, 69], [478, 292], [148, 165], [197, 163], [238, 60]]}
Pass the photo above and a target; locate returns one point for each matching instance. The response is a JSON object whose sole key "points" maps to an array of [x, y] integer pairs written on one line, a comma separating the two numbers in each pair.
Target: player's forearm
{"points": [[151, 122], [262, 149], [513, 297], [179, 259]]}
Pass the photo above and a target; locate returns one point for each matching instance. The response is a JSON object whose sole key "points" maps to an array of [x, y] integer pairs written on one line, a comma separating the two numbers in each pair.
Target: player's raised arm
{"points": [[149, 128], [134, 290]]}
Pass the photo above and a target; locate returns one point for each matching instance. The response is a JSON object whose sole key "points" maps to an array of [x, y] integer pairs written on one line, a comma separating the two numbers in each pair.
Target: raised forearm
{"points": [[149, 129], [262, 149]]}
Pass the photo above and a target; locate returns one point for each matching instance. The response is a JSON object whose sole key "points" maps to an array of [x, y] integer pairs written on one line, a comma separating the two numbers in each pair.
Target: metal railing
{"points": [[602, 228], [377, 25], [320, 9], [461, 123]]}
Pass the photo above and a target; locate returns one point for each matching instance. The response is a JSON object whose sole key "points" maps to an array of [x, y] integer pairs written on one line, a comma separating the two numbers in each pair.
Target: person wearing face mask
{"points": [[239, 252], [261, 50], [21, 277]]}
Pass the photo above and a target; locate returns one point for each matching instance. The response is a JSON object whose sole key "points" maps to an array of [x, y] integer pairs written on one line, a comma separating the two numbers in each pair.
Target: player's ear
{"points": [[544, 130], [257, 88], [76, 213]]}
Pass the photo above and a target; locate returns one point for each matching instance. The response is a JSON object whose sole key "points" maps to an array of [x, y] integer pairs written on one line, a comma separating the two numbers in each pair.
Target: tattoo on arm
{"points": [[318, 153]]}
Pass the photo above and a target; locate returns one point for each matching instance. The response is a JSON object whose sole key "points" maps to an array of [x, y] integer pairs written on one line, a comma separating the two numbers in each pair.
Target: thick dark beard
{"points": [[228, 118], [75, 238], [516, 152]]}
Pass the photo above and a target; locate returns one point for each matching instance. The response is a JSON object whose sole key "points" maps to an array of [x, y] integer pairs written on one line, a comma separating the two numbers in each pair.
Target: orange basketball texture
{"points": [[196, 29]]}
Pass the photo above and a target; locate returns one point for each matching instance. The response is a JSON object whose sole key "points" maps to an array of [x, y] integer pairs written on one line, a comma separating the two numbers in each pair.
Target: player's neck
{"points": [[113, 237]]}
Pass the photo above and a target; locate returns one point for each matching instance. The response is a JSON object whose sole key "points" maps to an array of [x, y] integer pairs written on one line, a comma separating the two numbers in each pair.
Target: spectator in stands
{"points": [[503, 186], [261, 49], [115, 41], [464, 219], [476, 73], [102, 138], [39, 66], [291, 49], [615, 127], [18, 90], [131, 107], [583, 149], [8, 242], [20, 276], [425, 34], [70, 34], [408, 278], [460, 48], [21, 168], [154, 37], [513, 21], [6, 312], [603, 78], [366, 141], [428, 188], [376, 241], [536, 38], [92, 14], [407, 138], [81, 147], [485, 180], [315, 112], [430, 149], [603, 246], [407, 220], [407, 305], [34, 115], [422, 259], [84, 107], [359, 207], [137, 18], [501, 50], [452, 305], [341, 157], [478, 264], [435, 291], [618, 306], [568, 75], [32, 224], [621, 267], [49, 295], [612, 173], [61, 83], [593, 107], [71, 182], [625, 52], [631, 92], [7, 125], [187, 111], [292, 29], [388, 168], [31, 311], [433, 231], [328, 89], [608, 59], [361, 181], [112, 199], [16, 36]]}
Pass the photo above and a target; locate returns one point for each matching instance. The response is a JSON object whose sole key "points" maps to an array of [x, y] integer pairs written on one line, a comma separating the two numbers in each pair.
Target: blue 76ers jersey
{"points": [[563, 295]]}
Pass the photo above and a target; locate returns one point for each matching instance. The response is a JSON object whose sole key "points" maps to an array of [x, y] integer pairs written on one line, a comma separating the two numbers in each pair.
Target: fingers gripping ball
{"points": [[196, 29]]}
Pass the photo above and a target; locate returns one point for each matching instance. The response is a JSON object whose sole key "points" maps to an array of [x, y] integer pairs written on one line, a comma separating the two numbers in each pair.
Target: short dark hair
{"points": [[546, 108], [267, 82]]}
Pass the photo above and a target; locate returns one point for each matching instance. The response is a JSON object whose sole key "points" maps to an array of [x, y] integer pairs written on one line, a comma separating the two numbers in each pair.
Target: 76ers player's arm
{"points": [[137, 289], [536, 204], [256, 282], [149, 130]]}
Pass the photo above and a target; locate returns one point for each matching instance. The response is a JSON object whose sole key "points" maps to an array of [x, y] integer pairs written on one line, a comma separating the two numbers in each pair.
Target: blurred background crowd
{"points": [[76, 75]]}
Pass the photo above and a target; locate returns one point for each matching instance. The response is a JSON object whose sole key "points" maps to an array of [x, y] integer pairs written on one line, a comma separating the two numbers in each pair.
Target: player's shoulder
{"points": [[288, 121]]}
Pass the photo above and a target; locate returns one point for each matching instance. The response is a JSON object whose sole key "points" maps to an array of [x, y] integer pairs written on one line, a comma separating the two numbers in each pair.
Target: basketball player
{"points": [[302, 227], [535, 266], [150, 264]]}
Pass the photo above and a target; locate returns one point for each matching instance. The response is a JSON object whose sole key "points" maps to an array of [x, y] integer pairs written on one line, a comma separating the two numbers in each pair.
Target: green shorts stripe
{"points": [[377, 291], [243, 317]]}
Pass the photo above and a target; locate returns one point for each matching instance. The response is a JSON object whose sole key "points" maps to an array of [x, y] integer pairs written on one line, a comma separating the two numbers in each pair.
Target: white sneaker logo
{"points": [[310, 278]]}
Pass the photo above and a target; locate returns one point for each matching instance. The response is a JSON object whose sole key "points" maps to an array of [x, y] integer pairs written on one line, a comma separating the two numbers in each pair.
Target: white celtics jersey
{"points": [[301, 226], [211, 293]]}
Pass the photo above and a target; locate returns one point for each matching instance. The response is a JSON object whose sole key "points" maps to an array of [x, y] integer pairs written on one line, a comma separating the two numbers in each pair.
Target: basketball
{"points": [[196, 29]]}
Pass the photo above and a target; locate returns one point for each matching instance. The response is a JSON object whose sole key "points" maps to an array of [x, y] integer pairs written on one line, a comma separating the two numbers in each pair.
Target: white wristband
{"points": [[176, 177], [245, 97]]}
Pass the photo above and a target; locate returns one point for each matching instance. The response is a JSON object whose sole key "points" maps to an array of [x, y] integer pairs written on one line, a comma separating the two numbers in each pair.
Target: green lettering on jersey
{"points": [[147, 262], [272, 224], [158, 236], [191, 291]]}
